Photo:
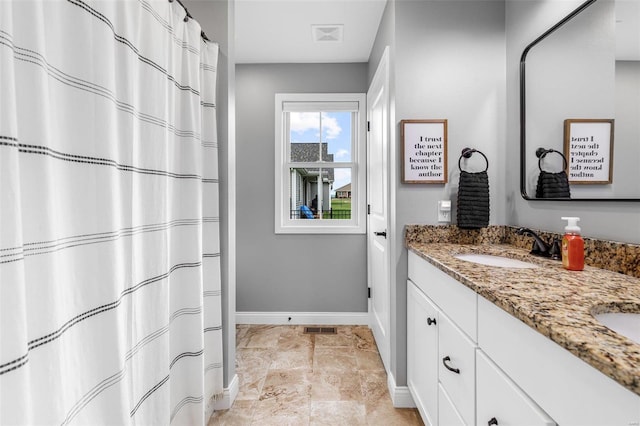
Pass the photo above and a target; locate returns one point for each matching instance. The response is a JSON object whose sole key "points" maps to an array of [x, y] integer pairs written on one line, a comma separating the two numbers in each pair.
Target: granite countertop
{"points": [[555, 302]]}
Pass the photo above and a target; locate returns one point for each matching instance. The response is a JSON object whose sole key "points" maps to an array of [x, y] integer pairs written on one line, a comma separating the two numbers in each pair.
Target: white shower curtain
{"points": [[110, 307]]}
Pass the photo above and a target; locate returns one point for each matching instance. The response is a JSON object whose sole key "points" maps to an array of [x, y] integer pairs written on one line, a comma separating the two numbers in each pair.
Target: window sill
{"points": [[324, 228]]}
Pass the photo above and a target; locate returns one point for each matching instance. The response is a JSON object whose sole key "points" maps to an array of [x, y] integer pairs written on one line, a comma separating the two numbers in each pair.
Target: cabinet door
{"points": [[422, 353], [500, 402], [456, 367], [449, 416]]}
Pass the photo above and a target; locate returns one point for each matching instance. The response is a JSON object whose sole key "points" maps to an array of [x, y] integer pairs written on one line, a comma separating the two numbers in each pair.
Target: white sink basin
{"points": [[625, 323], [491, 260]]}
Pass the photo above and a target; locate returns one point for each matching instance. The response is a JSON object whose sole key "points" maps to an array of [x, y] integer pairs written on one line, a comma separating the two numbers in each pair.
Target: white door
{"points": [[377, 199]]}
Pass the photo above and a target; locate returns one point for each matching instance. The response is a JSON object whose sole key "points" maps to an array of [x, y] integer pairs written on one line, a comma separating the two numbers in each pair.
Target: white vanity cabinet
{"points": [[450, 379], [508, 373], [441, 335]]}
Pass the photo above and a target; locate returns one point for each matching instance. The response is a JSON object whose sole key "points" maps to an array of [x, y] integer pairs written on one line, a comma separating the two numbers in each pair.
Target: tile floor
{"points": [[291, 378]]}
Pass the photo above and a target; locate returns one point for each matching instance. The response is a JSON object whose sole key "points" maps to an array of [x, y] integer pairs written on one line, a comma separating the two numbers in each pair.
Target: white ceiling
{"points": [[279, 31]]}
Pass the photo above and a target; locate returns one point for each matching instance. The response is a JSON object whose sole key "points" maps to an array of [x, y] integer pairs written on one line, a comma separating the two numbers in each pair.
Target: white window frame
{"points": [[289, 102]]}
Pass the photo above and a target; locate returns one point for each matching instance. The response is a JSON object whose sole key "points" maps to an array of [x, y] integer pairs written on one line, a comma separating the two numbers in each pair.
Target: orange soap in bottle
{"points": [[572, 246]]}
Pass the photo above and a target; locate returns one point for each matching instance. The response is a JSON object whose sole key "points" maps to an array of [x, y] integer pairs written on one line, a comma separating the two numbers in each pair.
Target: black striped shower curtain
{"points": [[110, 305]]}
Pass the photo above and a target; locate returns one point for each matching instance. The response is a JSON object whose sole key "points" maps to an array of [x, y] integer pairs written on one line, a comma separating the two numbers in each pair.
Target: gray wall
{"points": [[626, 156], [288, 273], [216, 19], [449, 63], [385, 37], [619, 221]]}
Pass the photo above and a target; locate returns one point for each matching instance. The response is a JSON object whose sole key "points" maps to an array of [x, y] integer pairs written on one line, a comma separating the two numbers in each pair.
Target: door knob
{"points": [[381, 234]]}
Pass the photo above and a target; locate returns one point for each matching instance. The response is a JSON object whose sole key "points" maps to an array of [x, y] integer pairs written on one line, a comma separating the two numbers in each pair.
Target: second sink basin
{"points": [[492, 260], [625, 323]]}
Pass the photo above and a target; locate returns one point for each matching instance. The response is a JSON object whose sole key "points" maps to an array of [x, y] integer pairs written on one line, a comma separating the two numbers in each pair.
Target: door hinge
{"points": [[368, 292], [368, 208], [368, 126]]}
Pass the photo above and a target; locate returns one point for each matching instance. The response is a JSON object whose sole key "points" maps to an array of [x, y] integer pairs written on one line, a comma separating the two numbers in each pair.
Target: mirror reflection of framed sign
{"points": [[424, 151], [588, 147]]}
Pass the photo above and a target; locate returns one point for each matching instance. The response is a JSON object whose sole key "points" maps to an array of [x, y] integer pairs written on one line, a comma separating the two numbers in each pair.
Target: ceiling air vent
{"points": [[327, 32]]}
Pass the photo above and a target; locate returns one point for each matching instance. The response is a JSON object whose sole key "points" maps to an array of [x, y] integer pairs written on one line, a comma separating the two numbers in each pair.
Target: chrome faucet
{"points": [[540, 247]]}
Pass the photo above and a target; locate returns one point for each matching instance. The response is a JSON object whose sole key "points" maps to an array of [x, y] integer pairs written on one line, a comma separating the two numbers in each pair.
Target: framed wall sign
{"points": [[424, 151], [588, 147]]}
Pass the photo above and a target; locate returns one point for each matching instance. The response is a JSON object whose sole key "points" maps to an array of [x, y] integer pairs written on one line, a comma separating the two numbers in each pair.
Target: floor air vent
{"points": [[320, 330]]}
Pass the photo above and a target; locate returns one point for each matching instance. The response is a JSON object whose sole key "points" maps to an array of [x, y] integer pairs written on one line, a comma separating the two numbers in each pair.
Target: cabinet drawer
{"points": [[457, 300], [456, 367], [449, 416], [500, 399]]}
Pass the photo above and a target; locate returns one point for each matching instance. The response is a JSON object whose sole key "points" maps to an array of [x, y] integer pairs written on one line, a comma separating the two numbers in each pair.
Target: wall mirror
{"points": [[585, 67]]}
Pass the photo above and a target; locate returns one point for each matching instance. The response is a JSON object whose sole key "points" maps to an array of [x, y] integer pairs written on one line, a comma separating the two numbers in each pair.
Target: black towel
{"points": [[473, 200], [553, 185]]}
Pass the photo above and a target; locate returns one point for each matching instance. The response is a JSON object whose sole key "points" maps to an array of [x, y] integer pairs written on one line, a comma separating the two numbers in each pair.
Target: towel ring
{"points": [[541, 153], [467, 152]]}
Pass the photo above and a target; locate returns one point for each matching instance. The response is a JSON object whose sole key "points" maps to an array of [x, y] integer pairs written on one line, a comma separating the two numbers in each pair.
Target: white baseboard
{"points": [[303, 318], [228, 396], [400, 395]]}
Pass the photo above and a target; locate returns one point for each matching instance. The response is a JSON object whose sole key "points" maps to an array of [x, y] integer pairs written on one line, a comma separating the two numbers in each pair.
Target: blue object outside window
{"points": [[305, 212]]}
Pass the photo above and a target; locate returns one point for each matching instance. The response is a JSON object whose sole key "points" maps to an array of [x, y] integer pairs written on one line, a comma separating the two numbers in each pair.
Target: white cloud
{"points": [[305, 121], [341, 153], [330, 126]]}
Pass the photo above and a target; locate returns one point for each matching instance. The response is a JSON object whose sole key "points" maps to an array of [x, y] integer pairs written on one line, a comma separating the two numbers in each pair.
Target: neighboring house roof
{"points": [[306, 152], [346, 188]]}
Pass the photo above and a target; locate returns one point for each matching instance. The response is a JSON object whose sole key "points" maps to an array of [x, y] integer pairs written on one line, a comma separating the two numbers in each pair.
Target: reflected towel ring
{"points": [[541, 153], [467, 152]]}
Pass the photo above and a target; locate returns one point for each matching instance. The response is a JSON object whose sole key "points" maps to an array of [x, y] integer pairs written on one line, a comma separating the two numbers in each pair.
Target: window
{"points": [[320, 163]]}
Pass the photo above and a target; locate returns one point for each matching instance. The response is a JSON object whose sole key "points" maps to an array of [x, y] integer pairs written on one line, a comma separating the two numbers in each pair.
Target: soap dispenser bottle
{"points": [[572, 246]]}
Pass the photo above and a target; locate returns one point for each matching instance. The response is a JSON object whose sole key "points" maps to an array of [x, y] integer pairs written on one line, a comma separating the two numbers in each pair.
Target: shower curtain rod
{"points": [[188, 16]]}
